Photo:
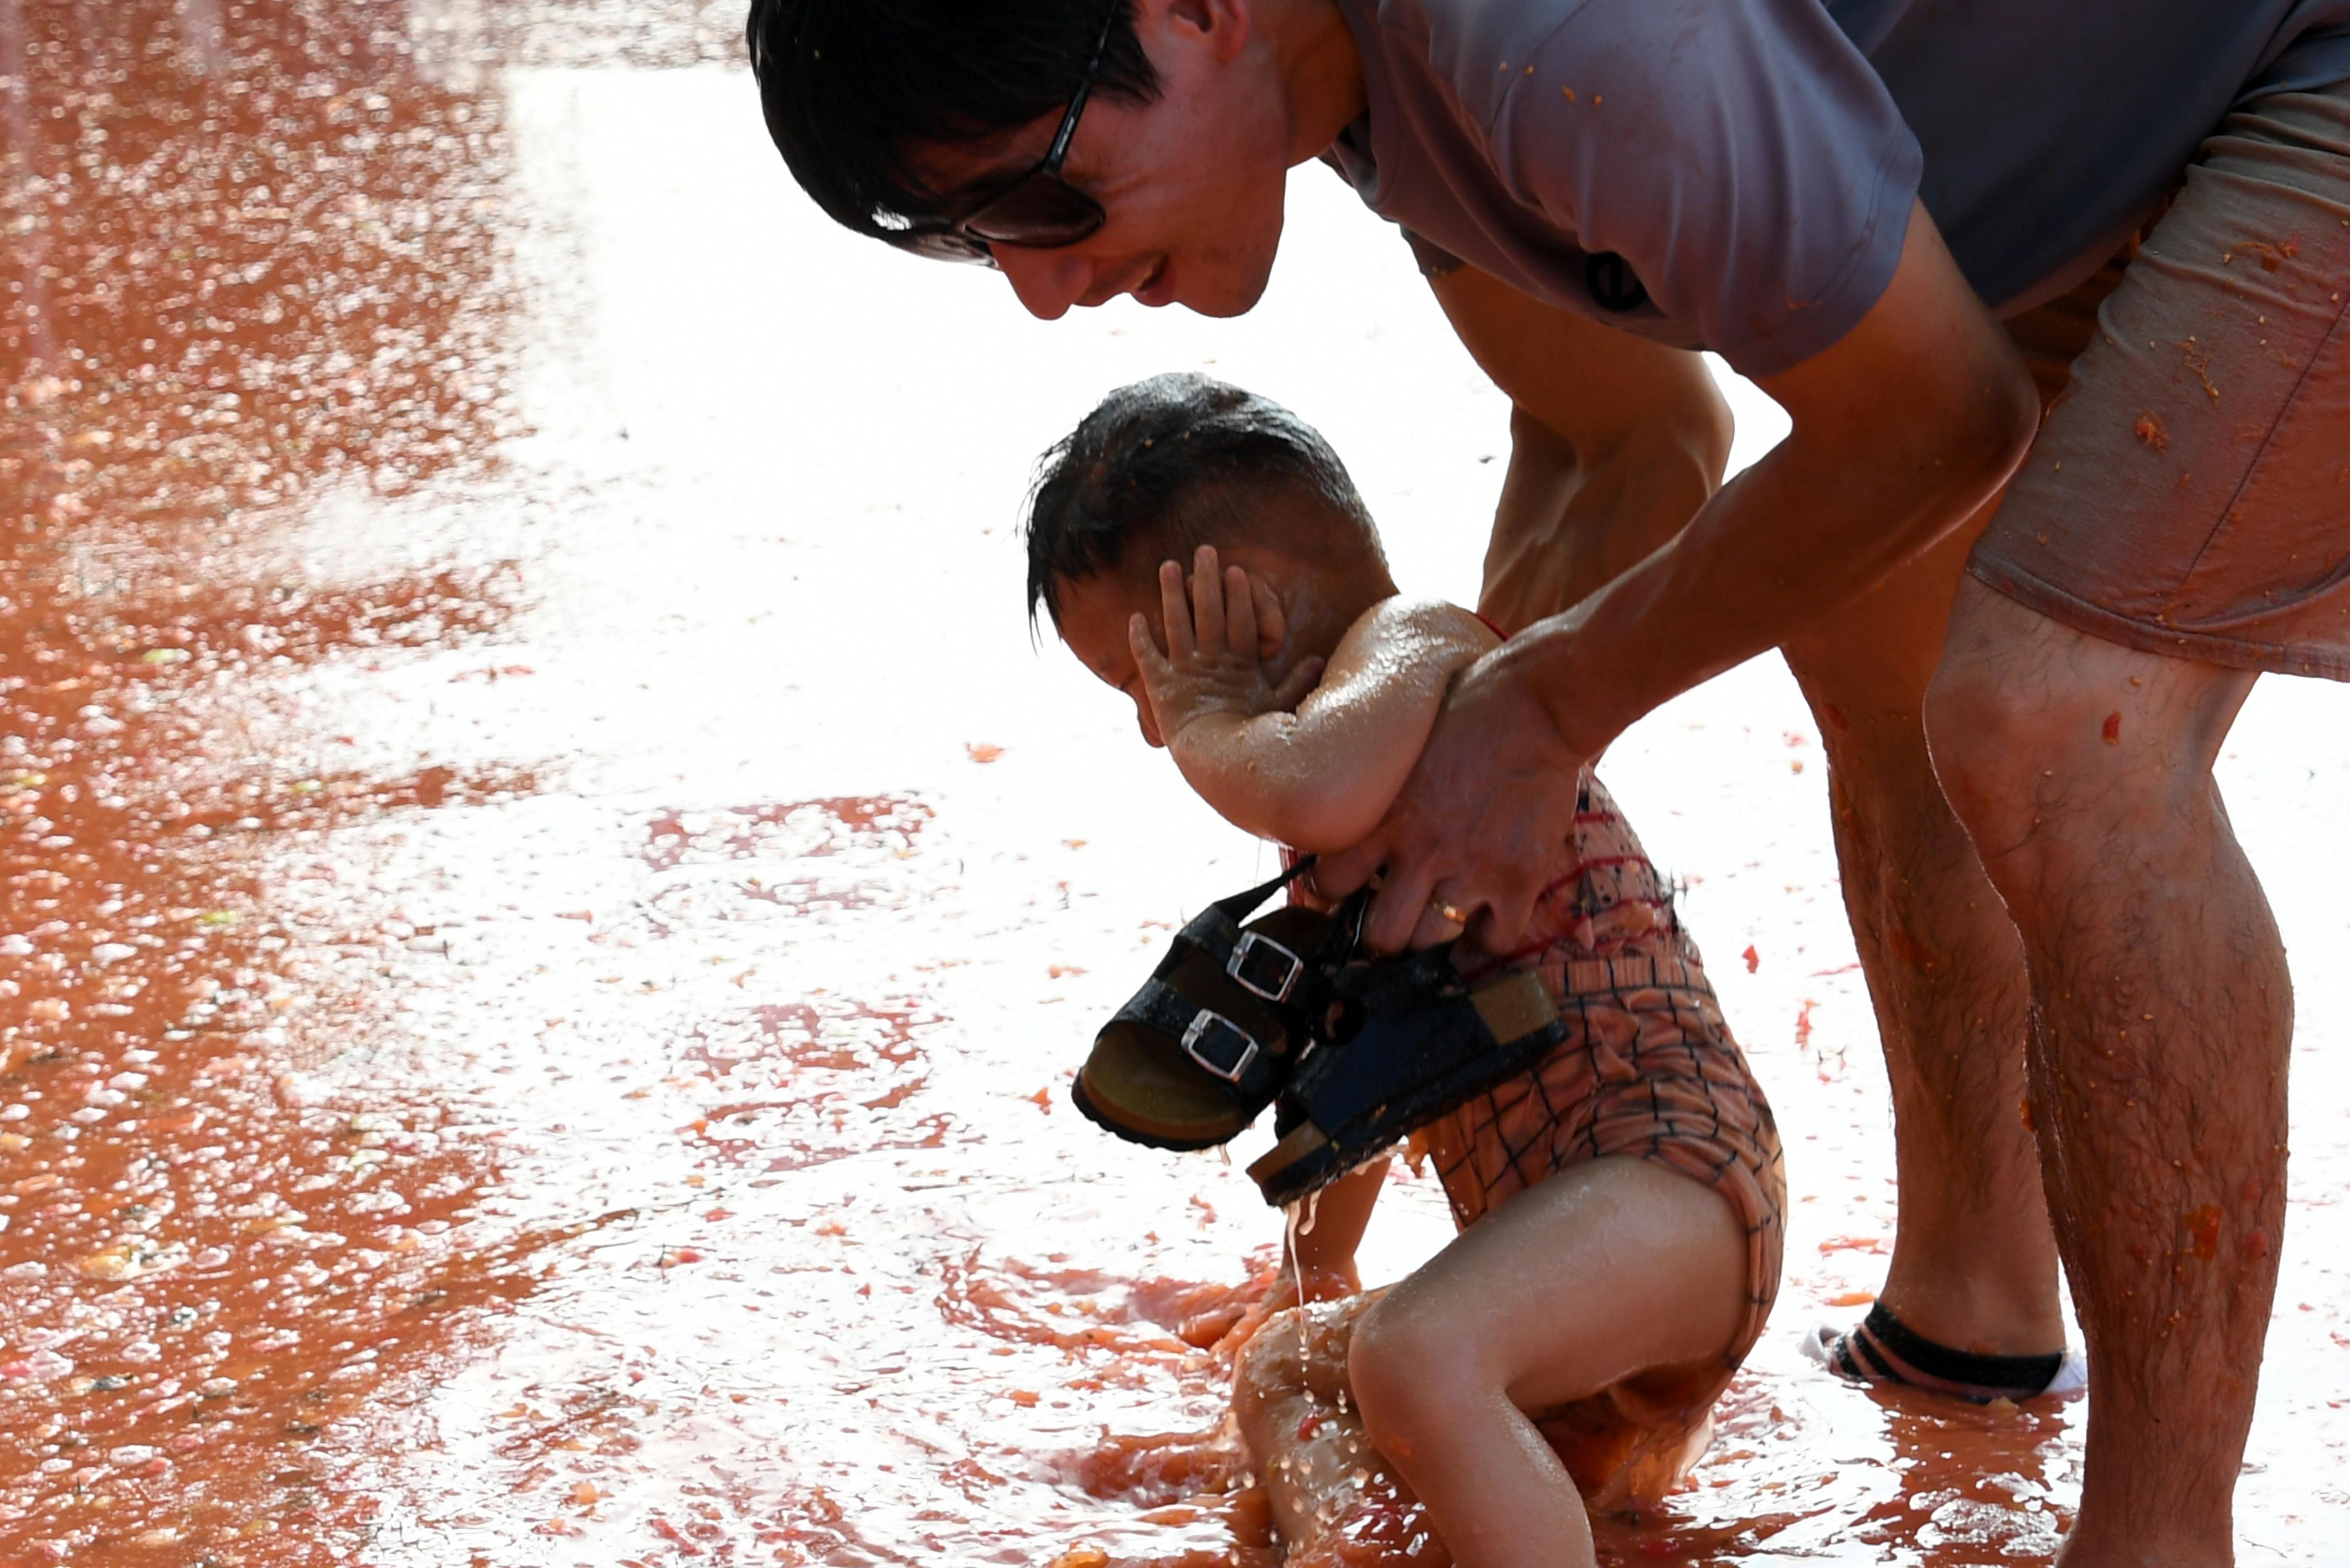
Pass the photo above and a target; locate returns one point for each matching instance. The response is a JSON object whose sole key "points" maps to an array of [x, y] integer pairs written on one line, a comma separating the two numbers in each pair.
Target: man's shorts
{"points": [[2189, 492]]}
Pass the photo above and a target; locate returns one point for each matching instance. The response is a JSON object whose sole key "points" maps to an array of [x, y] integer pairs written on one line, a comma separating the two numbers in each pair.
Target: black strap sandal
{"points": [[1215, 1031], [1883, 1349], [1408, 1042]]}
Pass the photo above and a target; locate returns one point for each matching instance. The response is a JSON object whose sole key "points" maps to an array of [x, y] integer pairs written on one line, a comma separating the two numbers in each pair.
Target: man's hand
{"points": [[1212, 664], [1485, 823]]}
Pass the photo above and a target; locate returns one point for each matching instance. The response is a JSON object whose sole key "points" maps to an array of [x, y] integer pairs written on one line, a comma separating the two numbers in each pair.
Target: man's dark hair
{"points": [[850, 87], [1174, 460]]}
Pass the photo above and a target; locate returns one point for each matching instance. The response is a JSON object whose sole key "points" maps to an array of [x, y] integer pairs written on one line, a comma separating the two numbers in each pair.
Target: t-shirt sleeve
{"points": [[1434, 260], [1741, 156]]}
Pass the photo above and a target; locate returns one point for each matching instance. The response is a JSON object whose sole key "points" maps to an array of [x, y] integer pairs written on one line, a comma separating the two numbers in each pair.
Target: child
{"points": [[1619, 1205]]}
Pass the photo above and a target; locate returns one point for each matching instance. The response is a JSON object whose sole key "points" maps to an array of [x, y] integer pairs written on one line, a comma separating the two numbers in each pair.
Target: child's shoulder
{"points": [[1405, 624]]}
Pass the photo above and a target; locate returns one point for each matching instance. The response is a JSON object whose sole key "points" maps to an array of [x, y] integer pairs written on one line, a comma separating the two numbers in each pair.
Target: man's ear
{"points": [[1225, 25], [1271, 626]]}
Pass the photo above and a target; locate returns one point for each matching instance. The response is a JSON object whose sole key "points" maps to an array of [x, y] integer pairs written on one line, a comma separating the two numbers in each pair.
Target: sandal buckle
{"points": [[1212, 1031], [1244, 959]]}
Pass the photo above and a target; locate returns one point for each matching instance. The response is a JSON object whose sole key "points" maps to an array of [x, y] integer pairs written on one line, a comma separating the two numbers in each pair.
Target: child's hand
{"points": [[1210, 665]]}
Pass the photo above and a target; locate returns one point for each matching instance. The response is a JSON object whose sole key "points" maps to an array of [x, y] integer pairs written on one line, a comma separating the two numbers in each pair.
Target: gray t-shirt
{"points": [[1737, 174]]}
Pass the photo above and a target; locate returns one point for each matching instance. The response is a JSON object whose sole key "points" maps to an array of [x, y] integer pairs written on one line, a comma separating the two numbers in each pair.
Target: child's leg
{"points": [[1603, 1271], [1297, 1417]]}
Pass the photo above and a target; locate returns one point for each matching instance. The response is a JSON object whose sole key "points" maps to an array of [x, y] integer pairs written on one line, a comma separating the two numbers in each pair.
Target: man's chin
{"points": [[1219, 293]]}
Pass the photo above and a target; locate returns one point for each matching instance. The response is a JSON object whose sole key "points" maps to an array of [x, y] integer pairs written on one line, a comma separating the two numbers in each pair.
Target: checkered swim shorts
{"points": [[1648, 1069]]}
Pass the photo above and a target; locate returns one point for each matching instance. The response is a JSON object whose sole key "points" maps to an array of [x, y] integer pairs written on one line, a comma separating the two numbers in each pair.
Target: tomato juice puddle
{"points": [[406, 1157], [269, 1295], [212, 1255]]}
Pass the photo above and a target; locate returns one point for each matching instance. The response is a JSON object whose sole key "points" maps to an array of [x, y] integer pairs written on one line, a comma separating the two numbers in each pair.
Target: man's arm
{"points": [[1614, 442], [1901, 429]]}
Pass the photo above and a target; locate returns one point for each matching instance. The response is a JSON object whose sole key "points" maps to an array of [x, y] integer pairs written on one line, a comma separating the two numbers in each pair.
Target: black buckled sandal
{"points": [[1407, 1042], [1214, 1033]]}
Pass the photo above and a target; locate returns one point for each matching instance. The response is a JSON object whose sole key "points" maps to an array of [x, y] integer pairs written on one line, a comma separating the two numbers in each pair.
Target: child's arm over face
{"points": [[1320, 778]]}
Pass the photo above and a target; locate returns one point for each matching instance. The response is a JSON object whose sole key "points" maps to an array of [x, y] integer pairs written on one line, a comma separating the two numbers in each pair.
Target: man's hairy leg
{"points": [[1974, 1263], [2163, 1024]]}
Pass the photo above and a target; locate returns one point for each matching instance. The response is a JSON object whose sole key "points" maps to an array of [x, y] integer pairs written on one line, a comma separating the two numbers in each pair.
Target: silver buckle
{"points": [[1205, 1020], [1249, 942]]}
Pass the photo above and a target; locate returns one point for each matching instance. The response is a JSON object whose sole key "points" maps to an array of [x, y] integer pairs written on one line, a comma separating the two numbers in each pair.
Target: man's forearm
{"points": [[1902, 430], [1789, 540]]}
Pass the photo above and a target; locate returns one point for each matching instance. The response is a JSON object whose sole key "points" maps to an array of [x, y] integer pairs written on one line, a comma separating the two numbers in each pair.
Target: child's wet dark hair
{"points": [[1144, 465]]}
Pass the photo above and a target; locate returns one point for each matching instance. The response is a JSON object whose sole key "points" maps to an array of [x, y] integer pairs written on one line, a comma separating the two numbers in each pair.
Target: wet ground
{"points": [[547, 900]]}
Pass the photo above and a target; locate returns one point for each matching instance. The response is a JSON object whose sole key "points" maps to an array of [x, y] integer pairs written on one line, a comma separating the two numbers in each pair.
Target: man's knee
{"points": [[1982, 732], [2038, 735], [2039, 731]]}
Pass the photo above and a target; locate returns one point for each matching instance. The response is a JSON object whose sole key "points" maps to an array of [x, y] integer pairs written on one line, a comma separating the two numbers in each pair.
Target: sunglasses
{"points": [[1039, 210]]}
